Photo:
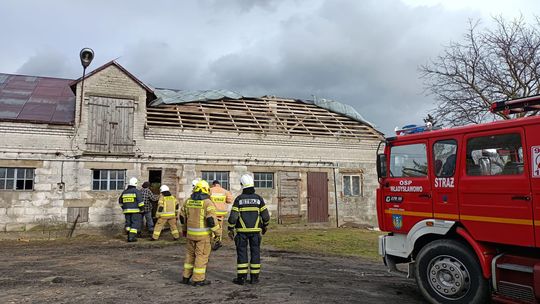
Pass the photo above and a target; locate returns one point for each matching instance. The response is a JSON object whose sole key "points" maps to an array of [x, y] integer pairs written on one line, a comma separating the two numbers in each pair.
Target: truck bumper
{"points": [[389, 246]]}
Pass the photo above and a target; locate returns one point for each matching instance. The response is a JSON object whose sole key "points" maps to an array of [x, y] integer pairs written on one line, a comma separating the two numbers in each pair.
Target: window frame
{"points": [[351, 186], [15, 178], [392, 166], [257, 180], [225, 183], [478, 172], [434, 157], [108, 180]]}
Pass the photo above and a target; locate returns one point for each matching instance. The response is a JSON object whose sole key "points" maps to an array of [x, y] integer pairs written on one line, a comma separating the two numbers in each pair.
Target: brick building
{"points": [[62, 160]]}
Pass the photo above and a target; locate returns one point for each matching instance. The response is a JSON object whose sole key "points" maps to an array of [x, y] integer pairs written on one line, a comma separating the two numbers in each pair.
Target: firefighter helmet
{"points": [[195, 181], [247, 181], [163, 188], [133, 181], [202, 186]]}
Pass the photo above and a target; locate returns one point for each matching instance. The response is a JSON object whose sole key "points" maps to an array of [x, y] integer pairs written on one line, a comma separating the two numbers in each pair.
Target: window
{"points": [[264, 180], [408, 161], [221, 176], [444, 158], [352, 185], [495, 155], [16, 179], [108, 179]]}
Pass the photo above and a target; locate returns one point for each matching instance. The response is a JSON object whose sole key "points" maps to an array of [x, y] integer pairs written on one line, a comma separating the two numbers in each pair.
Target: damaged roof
{"points": [[36, 99], [175, 97]]}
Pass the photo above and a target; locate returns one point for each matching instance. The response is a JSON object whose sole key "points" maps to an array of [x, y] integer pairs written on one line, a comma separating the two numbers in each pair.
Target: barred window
{"points": [[352, 185], [16, 178], [264, 180], [106, 180], [221, 176]]}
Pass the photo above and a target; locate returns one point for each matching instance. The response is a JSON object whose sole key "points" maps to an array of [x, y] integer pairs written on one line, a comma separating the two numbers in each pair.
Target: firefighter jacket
{"points": [[249, 212], [131, 200], [198, 217], [167, 206], [221, 197]]}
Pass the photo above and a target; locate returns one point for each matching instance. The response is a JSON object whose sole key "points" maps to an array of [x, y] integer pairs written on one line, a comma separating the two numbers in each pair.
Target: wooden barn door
{"points": [[110, 125], [289, 197], [317, 197]]}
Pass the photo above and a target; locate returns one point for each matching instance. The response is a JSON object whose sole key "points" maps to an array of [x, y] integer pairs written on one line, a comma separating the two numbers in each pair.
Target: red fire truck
{"points": [[462, 208]]}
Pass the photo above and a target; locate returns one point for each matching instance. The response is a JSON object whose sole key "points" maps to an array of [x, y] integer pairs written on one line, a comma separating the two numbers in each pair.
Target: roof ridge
{"points": [[48, 77]]}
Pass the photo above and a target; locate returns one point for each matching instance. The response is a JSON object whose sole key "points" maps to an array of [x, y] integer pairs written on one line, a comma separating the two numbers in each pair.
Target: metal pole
{"points": [[82, 95], [335, 197]]}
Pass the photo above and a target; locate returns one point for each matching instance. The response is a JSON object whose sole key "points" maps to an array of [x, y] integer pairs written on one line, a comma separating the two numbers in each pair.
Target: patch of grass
{"points": [[332, 241]]}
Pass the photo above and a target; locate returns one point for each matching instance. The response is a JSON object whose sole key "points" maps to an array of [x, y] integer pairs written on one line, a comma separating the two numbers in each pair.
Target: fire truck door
{"points": [[495, 193], [444, 180], [533, 143], [407, 190]]}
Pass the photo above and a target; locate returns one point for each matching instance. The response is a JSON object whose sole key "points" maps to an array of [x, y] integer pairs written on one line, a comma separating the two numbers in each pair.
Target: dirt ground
{"points": [[90, 270]]}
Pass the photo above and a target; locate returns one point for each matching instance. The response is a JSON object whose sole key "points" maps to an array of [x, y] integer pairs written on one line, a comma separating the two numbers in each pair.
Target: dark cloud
{"points": [[363, 53]]}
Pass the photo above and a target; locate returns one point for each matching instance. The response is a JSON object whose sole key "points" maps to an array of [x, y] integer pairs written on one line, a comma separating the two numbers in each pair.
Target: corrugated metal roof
{"points": [[36, 99]]}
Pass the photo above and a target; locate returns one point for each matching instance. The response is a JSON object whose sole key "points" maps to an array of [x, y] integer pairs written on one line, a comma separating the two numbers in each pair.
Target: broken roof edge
{"points": [[173, 96]]}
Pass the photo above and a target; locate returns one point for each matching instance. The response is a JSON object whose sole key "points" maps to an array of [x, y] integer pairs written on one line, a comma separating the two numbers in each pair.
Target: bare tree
{"points": [[488, 65]]}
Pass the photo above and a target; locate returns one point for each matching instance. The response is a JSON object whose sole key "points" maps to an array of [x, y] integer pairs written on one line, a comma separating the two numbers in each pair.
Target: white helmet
{"points": [[195, 182], [163, 188], [133, 181], [247, 181]]}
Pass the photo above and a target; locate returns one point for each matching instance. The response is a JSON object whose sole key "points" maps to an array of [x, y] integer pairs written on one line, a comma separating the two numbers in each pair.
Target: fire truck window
{"points": [[408, 161], [444, 155], [495, 155]]}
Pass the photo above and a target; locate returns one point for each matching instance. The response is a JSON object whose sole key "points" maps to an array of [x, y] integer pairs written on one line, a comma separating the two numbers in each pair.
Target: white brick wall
{"points": [[57, 153]]}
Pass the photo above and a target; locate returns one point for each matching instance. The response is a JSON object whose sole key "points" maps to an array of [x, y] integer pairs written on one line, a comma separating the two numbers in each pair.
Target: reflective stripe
{"points": [[242, 271], [248, 229], [211, 208], [235, 209], [254, 271], [215, 228], [256, 209], [199, 231], [141, 204], [221, 213], [156, 234], [199, 270], [168, 214], [263, 208], [231, 225], [198, 204], [188, 266], [127, 228], [255, 265], [132, 230], [245, 265], [132, 210]]}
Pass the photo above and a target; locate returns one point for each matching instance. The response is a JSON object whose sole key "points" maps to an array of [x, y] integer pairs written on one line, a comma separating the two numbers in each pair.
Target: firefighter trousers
{"points": [[197, 254], [133, 222], [161, 223], [243, 263]]}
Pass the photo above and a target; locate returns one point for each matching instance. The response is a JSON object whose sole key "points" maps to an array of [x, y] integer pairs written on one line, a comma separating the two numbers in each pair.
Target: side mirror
{"points": [[381, 166]]}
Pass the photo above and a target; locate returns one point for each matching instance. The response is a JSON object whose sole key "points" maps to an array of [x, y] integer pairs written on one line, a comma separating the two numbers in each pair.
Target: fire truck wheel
{"points": [[447, 271]]}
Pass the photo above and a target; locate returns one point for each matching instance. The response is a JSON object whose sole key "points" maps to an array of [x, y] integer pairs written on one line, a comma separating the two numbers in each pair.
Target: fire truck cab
{"points": [[462, 208]]}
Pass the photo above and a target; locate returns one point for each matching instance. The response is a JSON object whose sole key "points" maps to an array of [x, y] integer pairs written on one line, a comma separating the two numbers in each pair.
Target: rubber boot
{"points": [[132, 237], [201, 283], [240, 279], [254, 278], [185, 280]]}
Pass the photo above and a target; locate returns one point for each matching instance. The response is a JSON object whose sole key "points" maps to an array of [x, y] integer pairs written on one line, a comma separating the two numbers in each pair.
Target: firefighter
{"points": [[221, 198], [167, 212], [199, 225], [249, 218], [132, 204]]}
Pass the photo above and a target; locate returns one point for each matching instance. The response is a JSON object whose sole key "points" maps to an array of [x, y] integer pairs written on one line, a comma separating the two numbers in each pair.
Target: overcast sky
{"points": [[365, 53]]}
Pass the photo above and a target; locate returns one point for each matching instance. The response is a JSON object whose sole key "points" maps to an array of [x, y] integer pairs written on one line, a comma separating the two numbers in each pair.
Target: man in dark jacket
{"points": [[148, 198], [249, 217], [132, 204]]}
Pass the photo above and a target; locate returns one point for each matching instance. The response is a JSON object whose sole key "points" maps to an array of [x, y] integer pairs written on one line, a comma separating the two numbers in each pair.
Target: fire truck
{"points": [[461, 208]]}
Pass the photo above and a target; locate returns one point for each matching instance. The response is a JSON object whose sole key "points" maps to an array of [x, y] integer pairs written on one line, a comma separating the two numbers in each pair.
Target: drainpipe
{"points": [[336, 196]]}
